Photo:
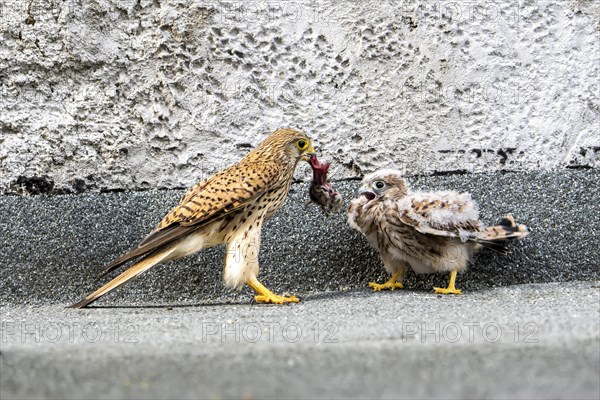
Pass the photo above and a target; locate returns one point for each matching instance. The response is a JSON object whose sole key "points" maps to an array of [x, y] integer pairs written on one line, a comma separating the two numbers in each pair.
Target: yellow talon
{"points": [[451, 289], [264, 295], [275, 299], [390, 284], [447, 290]]}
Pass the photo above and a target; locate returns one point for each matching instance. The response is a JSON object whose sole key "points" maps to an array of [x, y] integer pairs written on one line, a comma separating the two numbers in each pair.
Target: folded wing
{"points": [[447, 213], [206, 202]]}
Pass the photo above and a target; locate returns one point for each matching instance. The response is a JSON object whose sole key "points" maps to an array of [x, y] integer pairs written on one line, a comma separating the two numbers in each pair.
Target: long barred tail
{"points": [[497, 237], [141, 266]]}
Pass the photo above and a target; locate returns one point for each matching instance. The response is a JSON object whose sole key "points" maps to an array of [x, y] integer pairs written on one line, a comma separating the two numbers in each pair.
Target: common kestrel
{"points": [[227, 208], [429, 232]]}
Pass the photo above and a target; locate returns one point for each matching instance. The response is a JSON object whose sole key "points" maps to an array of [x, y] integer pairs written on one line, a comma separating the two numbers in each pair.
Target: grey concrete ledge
{"points": [[535, 341], [53, 247]]}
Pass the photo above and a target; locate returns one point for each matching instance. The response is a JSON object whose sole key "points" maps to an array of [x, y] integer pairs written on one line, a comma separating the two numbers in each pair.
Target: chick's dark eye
{"points": [[379, 185], [301, 144]]}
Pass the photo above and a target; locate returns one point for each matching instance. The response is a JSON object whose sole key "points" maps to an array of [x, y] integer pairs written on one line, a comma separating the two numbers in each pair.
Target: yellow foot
{"points": [[451, 289], [264, 295], [448, 290], [275, 299], [388, 285]]}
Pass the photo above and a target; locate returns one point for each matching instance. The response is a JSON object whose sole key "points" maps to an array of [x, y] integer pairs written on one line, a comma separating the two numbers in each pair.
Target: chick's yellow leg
{"points": [[264, 295], [391, 284], [451, 289]]}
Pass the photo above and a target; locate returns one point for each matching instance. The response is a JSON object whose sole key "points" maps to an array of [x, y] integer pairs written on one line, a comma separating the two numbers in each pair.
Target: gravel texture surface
{"points": [[53, 247]]}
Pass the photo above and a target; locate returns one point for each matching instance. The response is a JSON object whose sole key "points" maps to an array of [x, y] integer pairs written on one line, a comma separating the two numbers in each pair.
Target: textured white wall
{"points": [[130, 94]]}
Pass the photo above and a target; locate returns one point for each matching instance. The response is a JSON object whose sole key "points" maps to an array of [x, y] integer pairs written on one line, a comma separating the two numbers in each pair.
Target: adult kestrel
{"points": [[429, 232], [227, 208]]}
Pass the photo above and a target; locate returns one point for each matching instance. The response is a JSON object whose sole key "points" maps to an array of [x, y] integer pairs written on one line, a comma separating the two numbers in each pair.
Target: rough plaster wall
{"points": [[108, 94]]}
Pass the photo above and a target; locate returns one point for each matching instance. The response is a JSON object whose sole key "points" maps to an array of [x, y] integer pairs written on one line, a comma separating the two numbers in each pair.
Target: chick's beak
{"points": [[368, 193]]}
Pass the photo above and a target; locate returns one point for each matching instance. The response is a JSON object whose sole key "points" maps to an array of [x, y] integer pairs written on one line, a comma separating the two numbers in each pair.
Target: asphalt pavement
{"points": [[53, 247]]}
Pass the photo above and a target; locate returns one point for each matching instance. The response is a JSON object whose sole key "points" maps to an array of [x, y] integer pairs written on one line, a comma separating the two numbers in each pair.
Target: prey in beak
{"points": [[321, 191]]}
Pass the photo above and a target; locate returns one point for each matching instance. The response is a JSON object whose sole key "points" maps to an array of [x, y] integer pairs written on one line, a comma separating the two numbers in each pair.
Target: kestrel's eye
{"points": [[379, 185], [302, 144]]}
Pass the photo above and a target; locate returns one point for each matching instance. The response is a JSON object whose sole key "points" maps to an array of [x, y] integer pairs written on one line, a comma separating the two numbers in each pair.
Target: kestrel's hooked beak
{"points": [[367, 192], [309, 152]]}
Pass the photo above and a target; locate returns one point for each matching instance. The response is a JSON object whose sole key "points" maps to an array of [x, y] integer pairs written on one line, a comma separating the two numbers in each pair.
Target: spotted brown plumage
{"points": [[428, 232], [227, 208]]}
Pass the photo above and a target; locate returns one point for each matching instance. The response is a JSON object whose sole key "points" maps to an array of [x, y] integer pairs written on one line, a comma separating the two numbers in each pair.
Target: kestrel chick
{"points": [[227, 208], [429, 232]]}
